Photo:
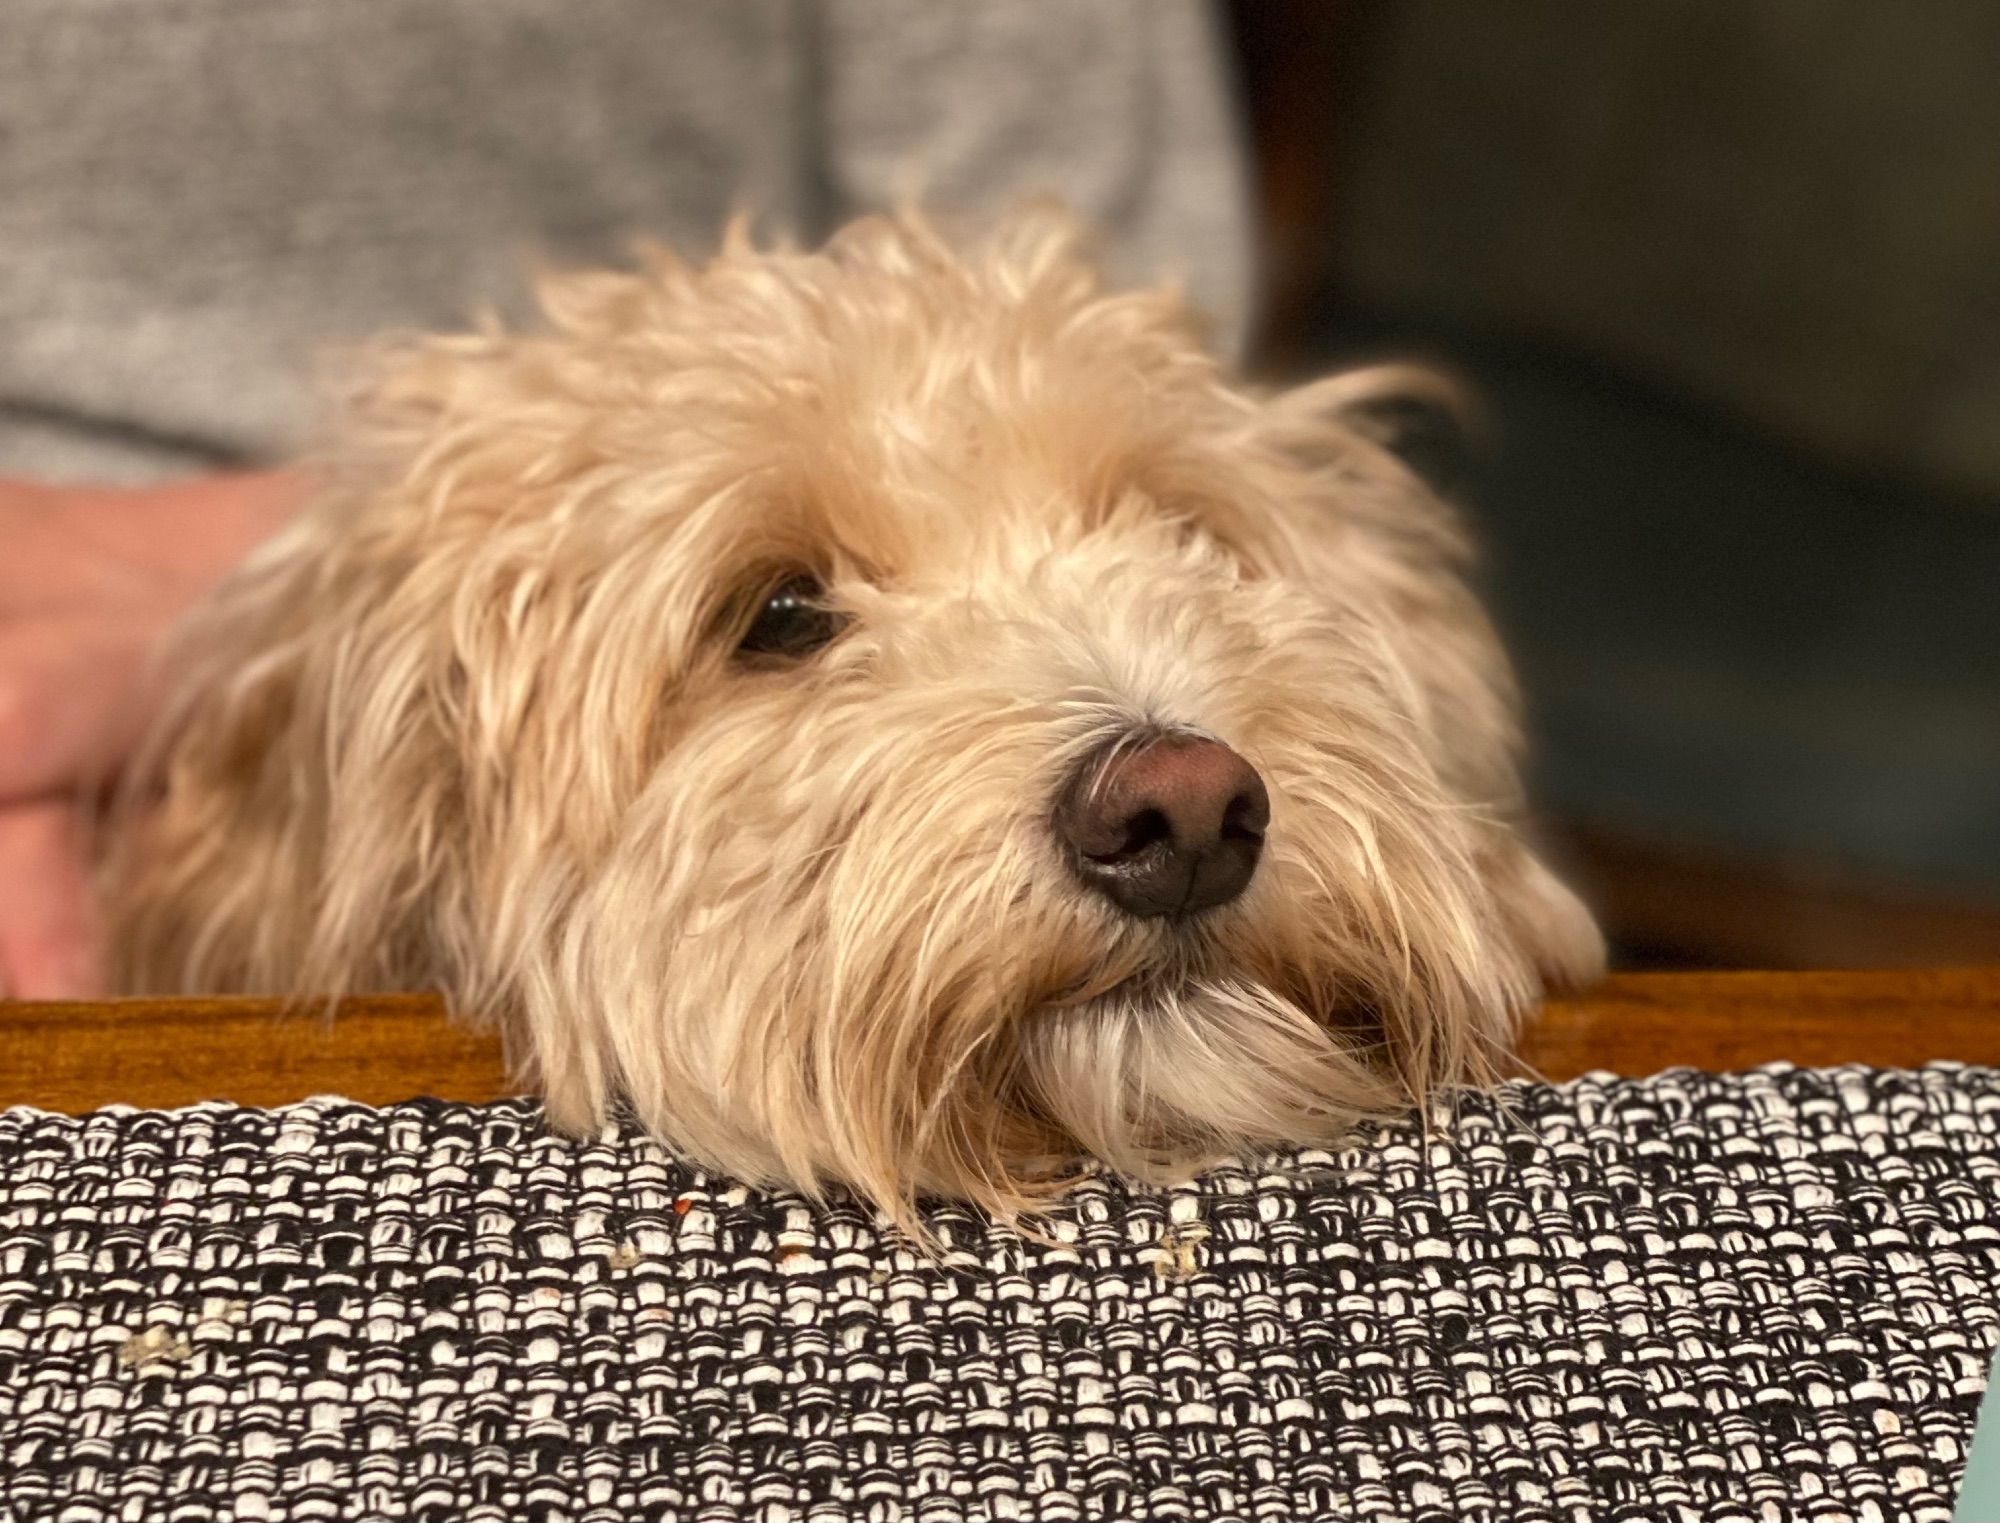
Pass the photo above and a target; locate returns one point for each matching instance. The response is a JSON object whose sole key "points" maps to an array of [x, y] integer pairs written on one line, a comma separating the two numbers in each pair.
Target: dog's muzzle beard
{"points": [[1209, 1020], [1049, 931]]}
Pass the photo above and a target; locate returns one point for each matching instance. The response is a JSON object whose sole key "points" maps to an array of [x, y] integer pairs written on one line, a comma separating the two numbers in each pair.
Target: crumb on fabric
{"points": [[156, 1345], [1180, 1252], [624, 1256]]}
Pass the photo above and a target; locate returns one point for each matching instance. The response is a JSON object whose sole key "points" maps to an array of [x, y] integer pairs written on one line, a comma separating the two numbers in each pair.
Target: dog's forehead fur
{"points": [[886, 407]]}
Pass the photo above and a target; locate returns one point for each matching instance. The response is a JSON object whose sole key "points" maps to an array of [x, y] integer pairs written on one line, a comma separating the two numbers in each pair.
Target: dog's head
{"points": [[906, 718]]}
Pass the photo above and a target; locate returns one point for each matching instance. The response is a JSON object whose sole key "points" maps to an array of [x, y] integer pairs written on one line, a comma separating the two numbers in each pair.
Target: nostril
{"points": [[1246, 818], [1146, 829]]}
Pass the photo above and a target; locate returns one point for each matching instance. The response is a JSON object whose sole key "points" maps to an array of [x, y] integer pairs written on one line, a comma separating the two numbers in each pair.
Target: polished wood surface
{"points": [[1640, 1023], [1671, 902], [158, 1053]]}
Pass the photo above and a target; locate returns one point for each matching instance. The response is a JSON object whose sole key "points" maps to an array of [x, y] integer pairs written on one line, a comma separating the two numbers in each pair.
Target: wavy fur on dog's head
{"points": [[479, 721]]}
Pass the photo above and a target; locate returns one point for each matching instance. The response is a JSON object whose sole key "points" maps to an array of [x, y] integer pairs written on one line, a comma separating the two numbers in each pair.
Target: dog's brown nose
{"points": [[1167, 828]]}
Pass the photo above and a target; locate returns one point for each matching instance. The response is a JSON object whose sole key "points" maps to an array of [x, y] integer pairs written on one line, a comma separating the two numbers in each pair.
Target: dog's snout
{"points": [[1167, 828]]}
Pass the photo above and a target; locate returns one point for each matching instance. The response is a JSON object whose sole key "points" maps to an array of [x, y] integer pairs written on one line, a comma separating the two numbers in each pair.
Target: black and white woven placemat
{"points": [[1755, 1297]]}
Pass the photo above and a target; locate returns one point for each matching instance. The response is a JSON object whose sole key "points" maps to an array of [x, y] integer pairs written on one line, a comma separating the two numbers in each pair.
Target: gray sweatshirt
{"points": [[198, 197]]}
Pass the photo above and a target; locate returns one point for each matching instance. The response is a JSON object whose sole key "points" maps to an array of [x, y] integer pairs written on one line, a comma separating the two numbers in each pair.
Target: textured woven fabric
{"points": [[1756, 1297]]}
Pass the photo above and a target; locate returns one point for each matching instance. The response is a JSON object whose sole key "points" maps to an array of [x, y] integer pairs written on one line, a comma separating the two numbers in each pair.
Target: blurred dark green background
{"points": [[1728, 279]]}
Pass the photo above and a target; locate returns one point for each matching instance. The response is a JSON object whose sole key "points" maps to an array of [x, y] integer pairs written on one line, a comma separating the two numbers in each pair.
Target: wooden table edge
{"points": [[164, 1053]]}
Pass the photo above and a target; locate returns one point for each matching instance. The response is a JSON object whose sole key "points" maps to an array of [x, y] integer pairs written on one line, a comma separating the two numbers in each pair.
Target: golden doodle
{"points": [[898, 715]]}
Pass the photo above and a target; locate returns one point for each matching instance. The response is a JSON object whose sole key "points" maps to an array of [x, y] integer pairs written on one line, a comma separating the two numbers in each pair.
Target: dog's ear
{"points": [[1426, 418]]}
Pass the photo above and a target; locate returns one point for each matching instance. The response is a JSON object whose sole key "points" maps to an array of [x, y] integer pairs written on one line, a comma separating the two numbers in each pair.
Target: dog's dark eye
{"points": [[792, 621]]}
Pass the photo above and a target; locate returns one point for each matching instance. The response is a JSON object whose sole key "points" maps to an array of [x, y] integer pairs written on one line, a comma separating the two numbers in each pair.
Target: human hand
{"points": [[90, 578]]}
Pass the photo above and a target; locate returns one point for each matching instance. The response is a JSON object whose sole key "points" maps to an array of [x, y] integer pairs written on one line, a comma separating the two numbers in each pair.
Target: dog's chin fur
{"points": [[476, 721]]}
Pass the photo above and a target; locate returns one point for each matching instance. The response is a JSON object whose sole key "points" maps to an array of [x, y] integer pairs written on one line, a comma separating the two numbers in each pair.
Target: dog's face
{"points": [[898, 718]]}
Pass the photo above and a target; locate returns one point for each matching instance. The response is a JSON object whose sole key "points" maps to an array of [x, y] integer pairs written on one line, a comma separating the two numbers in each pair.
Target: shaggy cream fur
{"points": [[480, 720]]}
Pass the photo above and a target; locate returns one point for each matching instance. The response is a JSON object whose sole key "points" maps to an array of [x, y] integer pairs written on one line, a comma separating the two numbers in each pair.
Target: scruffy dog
{"points": [[895, 716]]}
